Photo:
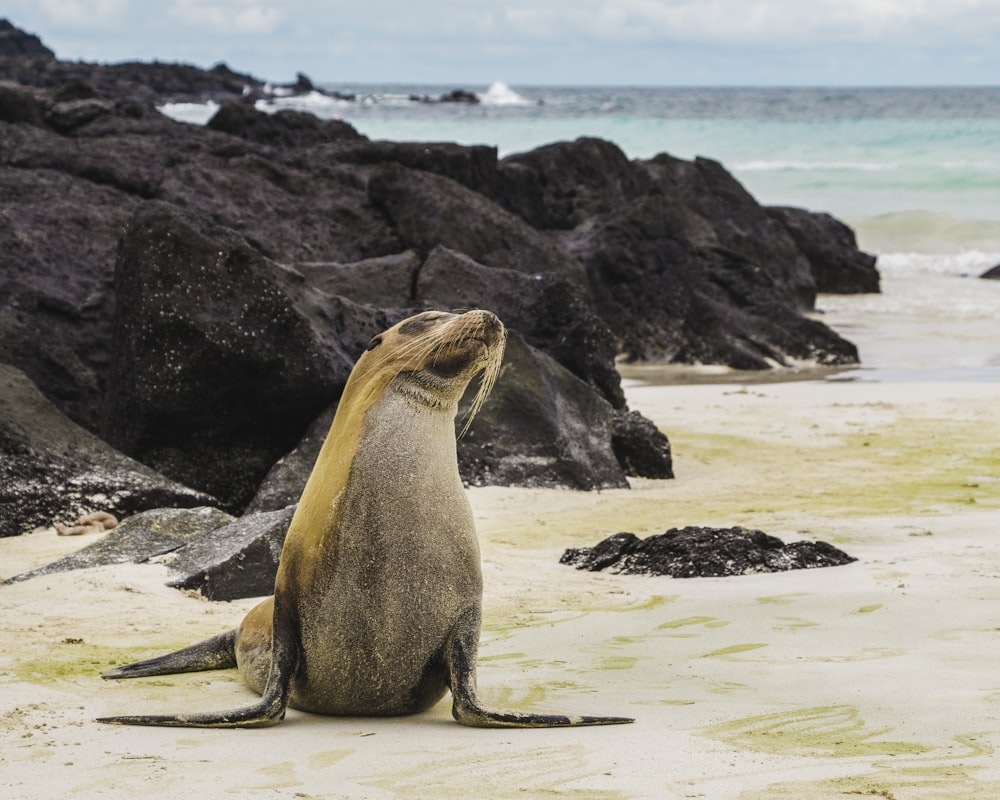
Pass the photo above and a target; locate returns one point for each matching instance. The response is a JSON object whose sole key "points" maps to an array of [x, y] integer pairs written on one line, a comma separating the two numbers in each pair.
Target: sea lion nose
{"points": [[490, 322]]}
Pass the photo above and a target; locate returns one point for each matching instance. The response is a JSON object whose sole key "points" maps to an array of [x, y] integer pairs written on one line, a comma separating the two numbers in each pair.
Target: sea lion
{"points": [[377, 599]]}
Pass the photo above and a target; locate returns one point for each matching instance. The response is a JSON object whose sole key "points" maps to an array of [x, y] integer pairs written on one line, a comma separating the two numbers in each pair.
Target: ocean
{"points": [[914, 171]]}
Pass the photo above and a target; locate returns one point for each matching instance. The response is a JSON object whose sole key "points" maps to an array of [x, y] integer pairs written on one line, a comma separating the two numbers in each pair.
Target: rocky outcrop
{"points": [[53, 471], [220, 358], [15, 42], [992, 274], [284, 128], [641, 448], [204, 549], [836, 263], [695, 552], [541, 427], [237, 559], [210, 287]]}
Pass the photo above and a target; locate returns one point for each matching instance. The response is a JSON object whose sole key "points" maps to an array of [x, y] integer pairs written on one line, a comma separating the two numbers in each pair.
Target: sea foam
{"points": [[500, 94]]}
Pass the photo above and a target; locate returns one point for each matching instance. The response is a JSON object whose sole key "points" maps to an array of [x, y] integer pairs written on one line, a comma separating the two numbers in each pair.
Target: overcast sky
{"points": [[539, 42]]}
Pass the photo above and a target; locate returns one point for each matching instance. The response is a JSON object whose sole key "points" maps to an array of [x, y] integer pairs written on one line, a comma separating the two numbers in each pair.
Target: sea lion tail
{"points": [[219, 652]]}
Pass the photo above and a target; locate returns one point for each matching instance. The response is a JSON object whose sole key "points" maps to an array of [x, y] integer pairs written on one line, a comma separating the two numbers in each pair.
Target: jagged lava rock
{"points": [[237, 559], [426, 210], [837, 264], [52, 470], [541, 426], [697, 552], [219, 363], [284, 128]]}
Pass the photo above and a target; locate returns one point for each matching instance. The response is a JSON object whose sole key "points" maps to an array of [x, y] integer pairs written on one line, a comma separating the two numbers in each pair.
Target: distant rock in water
{"points": [[459, 96], [992, 274], [695, 552]]}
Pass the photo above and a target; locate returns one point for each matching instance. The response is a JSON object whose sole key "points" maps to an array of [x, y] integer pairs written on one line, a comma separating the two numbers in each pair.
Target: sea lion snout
{"points": [[481, 326]]}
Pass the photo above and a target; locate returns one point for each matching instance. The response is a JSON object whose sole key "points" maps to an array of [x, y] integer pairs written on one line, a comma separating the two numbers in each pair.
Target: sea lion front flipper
{"points": [[268, 711], [466, 707]]}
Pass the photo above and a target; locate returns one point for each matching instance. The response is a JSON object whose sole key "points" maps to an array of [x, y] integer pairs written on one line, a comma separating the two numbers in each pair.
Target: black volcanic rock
{"points": [[671, 291], [237, 559], [204, 549], [20, 105], [385, 281], [215, 360], [992, 274], [53, 471], [426, 210], [473, 166], [15, 42], [578, 180], [641, 448], [146, 83], [459, 96], [541, 426], [284, 482], [696, 552], [837, 265], [284, 128]]}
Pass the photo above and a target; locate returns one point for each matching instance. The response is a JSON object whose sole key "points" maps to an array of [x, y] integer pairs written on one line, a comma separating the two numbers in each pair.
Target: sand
{"points": [[875, 679]]}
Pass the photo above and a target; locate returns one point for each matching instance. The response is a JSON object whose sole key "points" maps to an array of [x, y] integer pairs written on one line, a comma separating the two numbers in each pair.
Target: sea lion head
{"points": [[433, 356]]}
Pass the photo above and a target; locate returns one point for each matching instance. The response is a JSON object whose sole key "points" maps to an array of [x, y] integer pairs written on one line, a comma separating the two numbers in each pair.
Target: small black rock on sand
{"points": [[696, 552]]}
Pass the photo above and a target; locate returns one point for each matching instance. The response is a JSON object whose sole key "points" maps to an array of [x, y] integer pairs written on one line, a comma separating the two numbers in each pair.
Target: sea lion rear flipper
{"points": [[466, 707], [269, 710], [215, 653]]}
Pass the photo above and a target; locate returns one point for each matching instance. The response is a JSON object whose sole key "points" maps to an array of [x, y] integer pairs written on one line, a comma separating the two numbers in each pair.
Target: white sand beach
{"points": [[874, 679]]}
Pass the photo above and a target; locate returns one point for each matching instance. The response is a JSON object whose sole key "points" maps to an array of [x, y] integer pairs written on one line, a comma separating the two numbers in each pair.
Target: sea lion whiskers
{"points": [[486, 381]]}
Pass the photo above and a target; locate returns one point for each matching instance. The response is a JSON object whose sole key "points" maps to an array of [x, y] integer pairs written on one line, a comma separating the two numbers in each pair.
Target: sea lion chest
{"points": [[398, 567]]}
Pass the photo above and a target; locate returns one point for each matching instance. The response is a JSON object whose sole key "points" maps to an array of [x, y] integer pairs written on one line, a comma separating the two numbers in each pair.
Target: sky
{"points": [[468, 43]]}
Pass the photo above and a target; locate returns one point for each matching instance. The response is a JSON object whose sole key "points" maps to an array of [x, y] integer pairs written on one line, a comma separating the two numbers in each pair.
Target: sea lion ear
{"points": [[374, 343]]}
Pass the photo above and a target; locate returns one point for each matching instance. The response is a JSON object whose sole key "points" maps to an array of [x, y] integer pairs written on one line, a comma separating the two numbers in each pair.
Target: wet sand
{"points": [[878, 678]]}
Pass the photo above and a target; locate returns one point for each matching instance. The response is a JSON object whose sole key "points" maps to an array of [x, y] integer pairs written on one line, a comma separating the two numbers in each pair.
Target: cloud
{"points": [[246, 18], [753, 22], [84, 14]]}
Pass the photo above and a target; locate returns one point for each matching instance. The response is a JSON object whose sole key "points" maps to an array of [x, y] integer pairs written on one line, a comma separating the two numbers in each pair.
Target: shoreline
{"points": [[874, 677]]}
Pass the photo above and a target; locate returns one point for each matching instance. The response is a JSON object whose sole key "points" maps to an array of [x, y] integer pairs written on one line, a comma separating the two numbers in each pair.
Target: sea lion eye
{"points": [[374, 343]]}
